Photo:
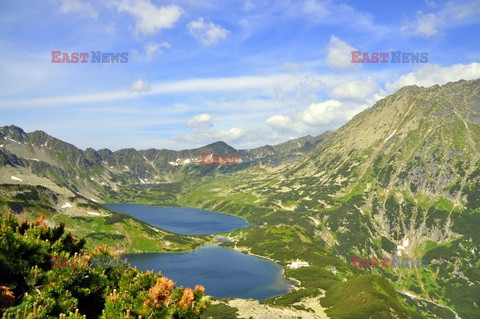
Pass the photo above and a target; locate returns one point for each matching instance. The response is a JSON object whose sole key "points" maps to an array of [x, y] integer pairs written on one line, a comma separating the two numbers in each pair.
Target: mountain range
{"points": [[400, 179]]}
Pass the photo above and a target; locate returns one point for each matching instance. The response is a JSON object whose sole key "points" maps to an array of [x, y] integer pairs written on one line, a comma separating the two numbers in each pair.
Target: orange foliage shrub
{"points": [[40, 219], [160, 293], [187, 298], [199, 288], [7, 298]]}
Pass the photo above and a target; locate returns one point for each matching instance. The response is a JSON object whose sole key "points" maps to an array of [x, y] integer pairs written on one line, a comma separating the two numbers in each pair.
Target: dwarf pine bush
{"points": [[30, 288]]}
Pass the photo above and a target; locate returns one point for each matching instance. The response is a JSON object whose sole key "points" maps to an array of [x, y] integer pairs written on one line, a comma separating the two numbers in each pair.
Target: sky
{"points": [[245, 72]]}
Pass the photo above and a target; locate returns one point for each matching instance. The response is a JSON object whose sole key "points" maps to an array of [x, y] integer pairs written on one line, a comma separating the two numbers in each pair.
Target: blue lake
{"points": [[181, 220], [223, 272]]}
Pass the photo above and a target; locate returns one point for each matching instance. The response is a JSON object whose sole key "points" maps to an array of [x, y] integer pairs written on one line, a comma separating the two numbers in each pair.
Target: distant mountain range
{"points": [[84, 171]]}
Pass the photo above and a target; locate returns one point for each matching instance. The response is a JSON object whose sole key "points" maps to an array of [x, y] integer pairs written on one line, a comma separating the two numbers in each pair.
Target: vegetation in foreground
{"points": [[30, 288]]}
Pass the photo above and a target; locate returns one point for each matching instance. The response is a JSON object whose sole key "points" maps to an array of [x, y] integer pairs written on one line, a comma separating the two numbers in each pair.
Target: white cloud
{"points": [[152, 48], [424, 25], [462, 11], [432, 74], [279, 93], [140, 86], [206, 33], [354, 90], [336, 13], [317, 117], [259, 84], [232, 134], [81, 8], [322, 113], [339, 54], [319, 10], [279, 121], [201, 120], [149, 18], [452, 14]]}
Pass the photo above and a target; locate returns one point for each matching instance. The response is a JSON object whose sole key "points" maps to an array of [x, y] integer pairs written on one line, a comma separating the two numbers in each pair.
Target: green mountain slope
{"points": [[400, 178]]}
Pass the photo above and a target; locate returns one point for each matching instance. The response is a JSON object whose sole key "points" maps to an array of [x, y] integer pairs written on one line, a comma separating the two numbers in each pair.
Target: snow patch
{"points": [[186, 161], [390, 136], [298, 264], [314, 220], [16, 178], [10, 139], [93, 200], [156, 230], [399, 250], [67, 205]]}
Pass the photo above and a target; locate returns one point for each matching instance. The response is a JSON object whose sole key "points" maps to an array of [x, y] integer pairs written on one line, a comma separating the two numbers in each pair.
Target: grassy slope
{"points": [[120, 232]]}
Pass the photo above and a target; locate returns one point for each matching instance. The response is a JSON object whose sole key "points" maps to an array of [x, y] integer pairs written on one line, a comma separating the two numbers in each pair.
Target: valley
{"points": [[400, 178]]}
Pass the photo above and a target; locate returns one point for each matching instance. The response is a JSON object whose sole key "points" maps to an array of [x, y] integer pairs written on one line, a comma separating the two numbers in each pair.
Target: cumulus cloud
{"points": [[354, 90], [339, 54], [81, 8], [432, 74], [317, 116], [148, 17], [279, 121], [206, 33], [322, 113], [201, 120], [140, 86]]}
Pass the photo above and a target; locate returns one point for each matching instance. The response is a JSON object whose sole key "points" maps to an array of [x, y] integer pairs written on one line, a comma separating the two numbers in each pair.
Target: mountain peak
{"points": [[13, 132]]}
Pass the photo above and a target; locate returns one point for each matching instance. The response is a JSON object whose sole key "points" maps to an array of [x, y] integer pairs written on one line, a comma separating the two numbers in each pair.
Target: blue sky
{"points": [[246, 72]]}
